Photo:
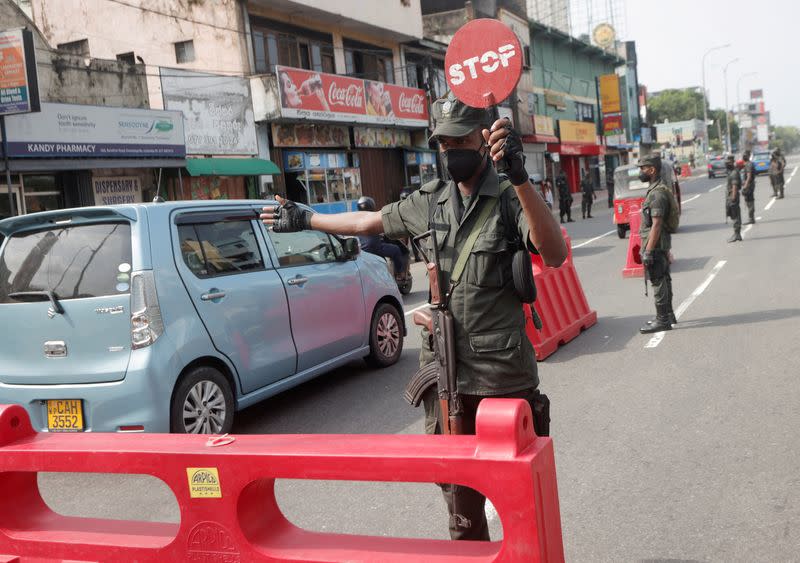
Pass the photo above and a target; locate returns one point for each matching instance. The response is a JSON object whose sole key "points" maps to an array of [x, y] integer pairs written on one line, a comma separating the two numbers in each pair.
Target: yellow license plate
{"points": [[65, 415]]}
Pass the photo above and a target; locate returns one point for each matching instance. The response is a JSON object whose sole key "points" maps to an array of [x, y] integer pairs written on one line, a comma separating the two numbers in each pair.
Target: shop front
{"points": [[535, 147], [338, 137], [72, 156], [578, 152]]}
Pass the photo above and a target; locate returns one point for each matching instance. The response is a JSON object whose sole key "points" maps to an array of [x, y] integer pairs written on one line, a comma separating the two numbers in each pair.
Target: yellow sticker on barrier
{"points": [[204, 482]]}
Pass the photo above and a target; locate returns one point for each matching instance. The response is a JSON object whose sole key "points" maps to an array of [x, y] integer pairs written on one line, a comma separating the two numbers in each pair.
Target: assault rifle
{"points": [[439, 321]]}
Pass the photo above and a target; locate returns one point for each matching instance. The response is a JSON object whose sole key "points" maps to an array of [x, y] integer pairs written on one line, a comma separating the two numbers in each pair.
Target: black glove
{"points": [[289, 218], [647, 258], [513, 162]]}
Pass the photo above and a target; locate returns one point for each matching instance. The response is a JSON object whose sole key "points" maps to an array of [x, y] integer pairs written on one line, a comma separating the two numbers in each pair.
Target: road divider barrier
{"points": [[560, 304], [226, 492], [686, 171], [633, 264]]}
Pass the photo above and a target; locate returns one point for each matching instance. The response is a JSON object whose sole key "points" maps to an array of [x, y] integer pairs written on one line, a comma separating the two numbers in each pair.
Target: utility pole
{"points": [[705, 101], [727, 107]]}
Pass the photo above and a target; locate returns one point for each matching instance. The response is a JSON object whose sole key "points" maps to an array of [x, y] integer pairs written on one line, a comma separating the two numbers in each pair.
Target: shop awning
{"points": [[230, 167]]}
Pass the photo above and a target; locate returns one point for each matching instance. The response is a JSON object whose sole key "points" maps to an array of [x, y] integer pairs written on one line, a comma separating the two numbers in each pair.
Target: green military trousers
{"points": [[466, 506], [735, 213], [661, 280]]}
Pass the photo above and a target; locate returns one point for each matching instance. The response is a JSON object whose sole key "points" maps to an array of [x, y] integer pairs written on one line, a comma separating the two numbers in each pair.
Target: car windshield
{"points": [[761, 156], [71, 261]]}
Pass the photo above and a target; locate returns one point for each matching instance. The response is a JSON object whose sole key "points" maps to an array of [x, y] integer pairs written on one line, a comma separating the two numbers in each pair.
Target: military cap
{"points": [[651, 160], [453, 118]]}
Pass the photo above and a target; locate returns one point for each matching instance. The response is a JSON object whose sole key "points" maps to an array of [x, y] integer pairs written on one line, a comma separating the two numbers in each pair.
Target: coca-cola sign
{"points": [[316, 96]]}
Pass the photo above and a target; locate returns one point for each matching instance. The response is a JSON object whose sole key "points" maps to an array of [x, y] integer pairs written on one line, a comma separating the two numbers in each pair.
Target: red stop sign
{"points": [[483, 63]]}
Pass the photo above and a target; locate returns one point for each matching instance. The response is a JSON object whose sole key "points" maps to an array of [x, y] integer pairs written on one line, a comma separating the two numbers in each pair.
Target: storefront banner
{"points": [[420, 157], [543, 125], [217, 111], [316, 135], [19, 91], [67, 130], [313, 95], [612, 125], [116, 190], [381, 137], [609, 94], [577, 132], [297, 160], [756, 94]]}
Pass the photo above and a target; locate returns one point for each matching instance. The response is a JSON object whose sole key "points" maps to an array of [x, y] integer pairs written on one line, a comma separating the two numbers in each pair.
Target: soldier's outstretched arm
{"points": [[293, 218]]}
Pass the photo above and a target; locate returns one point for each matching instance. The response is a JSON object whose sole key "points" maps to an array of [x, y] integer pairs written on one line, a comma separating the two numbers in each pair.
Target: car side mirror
{"points": [[351, 248]]}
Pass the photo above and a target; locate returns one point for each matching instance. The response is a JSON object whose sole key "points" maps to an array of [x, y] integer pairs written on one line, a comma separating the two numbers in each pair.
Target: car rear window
{"points": [[71, 261]]}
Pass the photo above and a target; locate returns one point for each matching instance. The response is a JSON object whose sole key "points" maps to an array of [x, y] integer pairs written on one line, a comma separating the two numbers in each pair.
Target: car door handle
{"points": [[298, 280], [212, 296]]}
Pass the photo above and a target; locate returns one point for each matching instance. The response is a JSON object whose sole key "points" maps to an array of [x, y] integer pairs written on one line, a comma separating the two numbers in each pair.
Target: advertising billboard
{"points": [[19, 90], [609, 94]]}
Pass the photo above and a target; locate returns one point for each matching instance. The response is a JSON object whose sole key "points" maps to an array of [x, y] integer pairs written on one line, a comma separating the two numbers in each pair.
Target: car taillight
{"points": [[146, 323]]}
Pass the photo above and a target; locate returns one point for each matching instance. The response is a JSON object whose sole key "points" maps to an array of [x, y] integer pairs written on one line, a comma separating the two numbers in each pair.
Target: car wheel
{"points": [[202, 403], [385, 336], [621, 230]]}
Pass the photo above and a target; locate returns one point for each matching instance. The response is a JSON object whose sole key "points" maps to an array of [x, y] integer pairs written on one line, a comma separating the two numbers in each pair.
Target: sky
{"points": [[671, 38]]}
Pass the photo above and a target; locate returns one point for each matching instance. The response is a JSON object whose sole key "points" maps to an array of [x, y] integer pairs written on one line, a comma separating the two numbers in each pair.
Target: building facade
{"points": [[58, 157], [342, 92]]}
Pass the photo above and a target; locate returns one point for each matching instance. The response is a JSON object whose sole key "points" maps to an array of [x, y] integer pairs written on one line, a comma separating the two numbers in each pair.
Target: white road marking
{"points": [[694, 197], [591, 240], [659, 336], [416, 309], [715, 188], [770, 204], [747, 229]]}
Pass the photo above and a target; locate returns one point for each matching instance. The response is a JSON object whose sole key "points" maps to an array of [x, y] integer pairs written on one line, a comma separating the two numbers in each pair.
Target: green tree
{"points": [[675, 105], [786, 138]]}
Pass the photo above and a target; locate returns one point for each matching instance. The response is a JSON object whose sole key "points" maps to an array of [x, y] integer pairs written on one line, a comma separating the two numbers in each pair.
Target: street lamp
{"points": [[739, 100], [727, 119], [705, 102]]}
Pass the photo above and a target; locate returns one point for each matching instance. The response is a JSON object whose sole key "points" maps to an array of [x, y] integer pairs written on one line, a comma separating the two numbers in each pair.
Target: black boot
{"points": [[672, 319], [737, 236], [662, 322]]}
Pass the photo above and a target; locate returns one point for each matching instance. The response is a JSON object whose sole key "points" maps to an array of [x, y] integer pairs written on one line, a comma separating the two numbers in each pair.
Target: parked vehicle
{"points": [[761, 162], [171, 316], [716, 167], [629, 192]]}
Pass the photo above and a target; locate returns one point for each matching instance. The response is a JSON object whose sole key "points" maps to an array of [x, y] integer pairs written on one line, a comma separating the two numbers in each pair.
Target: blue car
{"points": [[761, 162], [172, 316]]}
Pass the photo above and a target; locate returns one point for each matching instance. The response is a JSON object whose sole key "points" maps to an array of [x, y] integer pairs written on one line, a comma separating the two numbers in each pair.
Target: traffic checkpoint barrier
{"points": [[560, 303], [633, 263], [686, 171], [226, 494]]}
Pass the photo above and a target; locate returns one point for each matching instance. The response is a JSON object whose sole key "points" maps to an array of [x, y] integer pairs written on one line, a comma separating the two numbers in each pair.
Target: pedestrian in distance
{"points": [[776, 167], [564, 197], [749, 188], [659, 221], [587, 188], [732, 208], [494, 357]]}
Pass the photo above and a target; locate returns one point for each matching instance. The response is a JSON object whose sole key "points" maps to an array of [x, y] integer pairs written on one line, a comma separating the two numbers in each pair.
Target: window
{"points": [[220, 248], [303, 248], [584, 112], [73, 262], [526, 54], [127, 58], [184, 51], [369, 62], [80, 47], [276, 43]]}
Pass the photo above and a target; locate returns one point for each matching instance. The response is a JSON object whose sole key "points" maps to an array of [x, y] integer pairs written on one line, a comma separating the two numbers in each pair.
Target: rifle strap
{"points": [[466, 250]]}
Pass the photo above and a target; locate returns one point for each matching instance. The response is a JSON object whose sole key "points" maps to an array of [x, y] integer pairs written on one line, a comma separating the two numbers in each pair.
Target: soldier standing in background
{"points": [[776, 167], [732, 208], [749, 188], [587, 187], [564, 197]]}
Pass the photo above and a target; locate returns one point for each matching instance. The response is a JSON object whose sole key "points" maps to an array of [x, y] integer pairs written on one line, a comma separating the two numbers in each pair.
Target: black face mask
{"points": [[462, 163], [644, 176]]}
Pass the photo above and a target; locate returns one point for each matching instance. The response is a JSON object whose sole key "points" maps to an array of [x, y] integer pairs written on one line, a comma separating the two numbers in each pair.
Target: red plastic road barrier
{"points": [[560, 304], [228, 510], [686, 171], [633, 264]]}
